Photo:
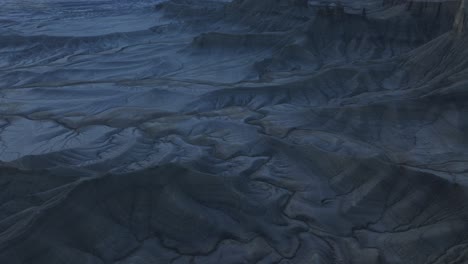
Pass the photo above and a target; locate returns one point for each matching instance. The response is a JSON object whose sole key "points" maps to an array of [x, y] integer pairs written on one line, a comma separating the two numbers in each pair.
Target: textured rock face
{"points": [[242, 132]]}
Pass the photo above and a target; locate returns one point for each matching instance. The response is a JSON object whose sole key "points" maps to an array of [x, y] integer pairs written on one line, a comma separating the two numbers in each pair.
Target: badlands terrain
{"points": [[219, 132]]}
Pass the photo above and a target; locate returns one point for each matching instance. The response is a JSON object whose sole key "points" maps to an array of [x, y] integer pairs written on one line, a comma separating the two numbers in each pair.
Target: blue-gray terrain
{"points": [[230, 132]]}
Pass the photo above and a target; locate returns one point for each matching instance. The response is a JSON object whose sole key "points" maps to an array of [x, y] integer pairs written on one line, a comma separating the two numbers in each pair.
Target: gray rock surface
{"points": [[234, 132]]}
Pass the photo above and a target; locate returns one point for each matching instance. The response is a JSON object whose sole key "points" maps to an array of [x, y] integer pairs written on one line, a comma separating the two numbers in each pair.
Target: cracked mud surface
{"points": [[245, 132]]}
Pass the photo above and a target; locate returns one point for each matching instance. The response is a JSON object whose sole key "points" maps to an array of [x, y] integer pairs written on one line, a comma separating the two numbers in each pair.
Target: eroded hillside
{"points": [[236, 132]]}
